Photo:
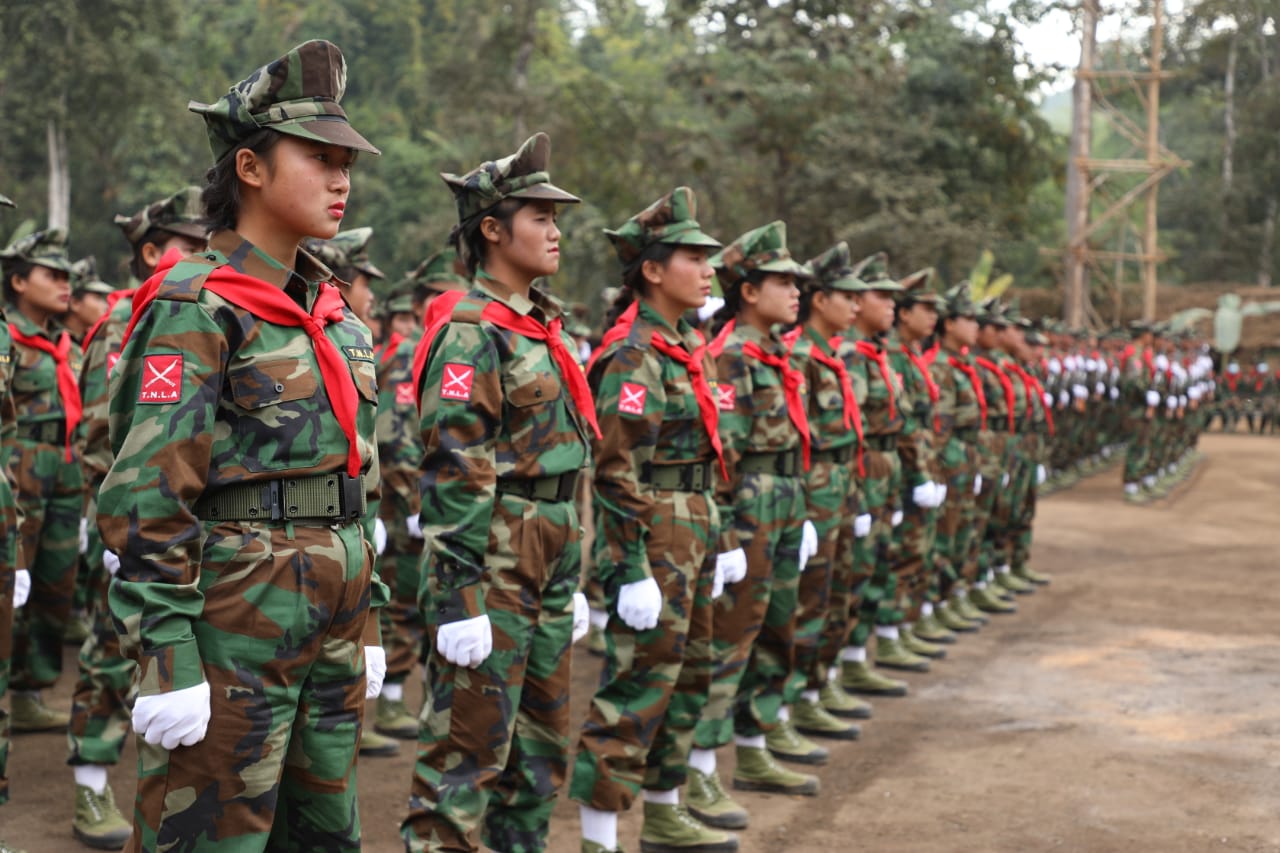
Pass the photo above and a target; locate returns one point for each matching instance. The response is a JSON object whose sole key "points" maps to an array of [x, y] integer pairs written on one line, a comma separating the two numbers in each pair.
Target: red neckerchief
{"points": [[878, 354], [1032, 386], [1233, 379], [393, 344], [440, 311], [852, 415], [931, 354], [1005, 385], [918, 361], [112, 299], [974, 380], [146, 294], [68, 384], [693, 363]]}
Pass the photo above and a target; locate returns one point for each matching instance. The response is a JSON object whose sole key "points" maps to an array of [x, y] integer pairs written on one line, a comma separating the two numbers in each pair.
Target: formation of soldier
{"points": [[1248, 396], [285, 497]]}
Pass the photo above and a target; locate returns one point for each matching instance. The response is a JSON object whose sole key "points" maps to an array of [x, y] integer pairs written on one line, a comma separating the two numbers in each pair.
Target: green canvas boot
{"points": [[394, 720], [28, 713], [913, 643], [789, 745], [988, 603], [79, 626], [708, 801], [948, 617], [891, 654], [857, 677], [758, 771], [1013, 583], [1031, 576], [374, 744], [671, 829], [592, 847], [834, 698], [929, 629], [963, 606], [810, 718], [97, 822]]}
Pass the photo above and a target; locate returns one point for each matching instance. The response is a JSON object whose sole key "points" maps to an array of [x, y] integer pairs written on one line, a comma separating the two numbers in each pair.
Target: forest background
{"points": [[913, 126]]}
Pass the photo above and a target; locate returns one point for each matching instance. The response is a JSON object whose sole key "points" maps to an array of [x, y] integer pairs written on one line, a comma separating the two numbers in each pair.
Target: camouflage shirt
{"points": [[649, 416], [35, 373], [916, 443], [99, 357], [825, 396], [399, 441], [958, 406], [875, 409], [245, 405]]}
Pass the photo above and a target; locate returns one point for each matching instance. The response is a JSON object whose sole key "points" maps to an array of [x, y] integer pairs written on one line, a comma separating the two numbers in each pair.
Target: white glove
{"points": [[414, 525], [581, 616], [941, 493], [977, 484], [1048, 398], [1055, 366], [110, 562], [1182, 400], [717, 581], [379, 536], [896, 518], [1153, 398], [1162, 362], [1041, 475], [84, 536], [1100, 388], [862, 525], [1171, 402], [1193, 393], [173, 719], [1004, 480], [808, 543], [466, 642], [1079, 392], [923, 495], [1115, 393], [375, 670], [734, 565], [640, 604], [21, 588], [1064, 397]]}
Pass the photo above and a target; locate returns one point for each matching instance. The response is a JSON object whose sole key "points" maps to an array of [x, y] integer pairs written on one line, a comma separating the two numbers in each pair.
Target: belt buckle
{"points": [[697, 477], [350, 496], [567, 488]]}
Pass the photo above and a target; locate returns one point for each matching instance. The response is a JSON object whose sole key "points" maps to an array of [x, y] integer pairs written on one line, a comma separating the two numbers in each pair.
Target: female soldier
{"points": [[506, 422], [242, 427], [656, 518], [46, 395], [762, 510]]}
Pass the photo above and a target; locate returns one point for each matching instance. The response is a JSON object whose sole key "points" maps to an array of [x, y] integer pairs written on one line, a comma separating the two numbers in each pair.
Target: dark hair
{"points": [[733, 299], [806, 301], [157, 237], [470, 243], [221, 195], [16, 268], [633, 281]]}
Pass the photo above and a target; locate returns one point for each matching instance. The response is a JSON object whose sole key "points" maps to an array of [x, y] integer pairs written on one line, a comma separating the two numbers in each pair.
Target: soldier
{"points": [[655, 472], [1140, 397], [1035, 428], [242, 429], [506, 420], [102, 695], [46, 363], [88, 298], [762, 519], [347, 256]]}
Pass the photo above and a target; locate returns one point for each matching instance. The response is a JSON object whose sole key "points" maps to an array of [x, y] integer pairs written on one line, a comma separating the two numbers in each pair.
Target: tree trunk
{"points": [[1266, 244], [1229, 134], [1076, 285], [59, 177], [520, 73]]}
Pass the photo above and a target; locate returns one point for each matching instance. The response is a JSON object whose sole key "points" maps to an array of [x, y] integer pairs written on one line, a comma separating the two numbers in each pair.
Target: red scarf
{"points": [[440, 312], [112, 299], [68, 384], [1233, 379], [919, 362], [852, 415], [976, 381], [1033, 389], [1005, 385], [881, 358], [393, 344], [270, 304]]}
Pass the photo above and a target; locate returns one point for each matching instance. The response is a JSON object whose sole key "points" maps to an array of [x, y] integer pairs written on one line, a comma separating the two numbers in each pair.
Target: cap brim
{"points": [[194, 230], [694, 238], [786, 265], [5, 201], [371, 271], [884, 285], [546, 192], [99, 287], [332, 130], [53, 264]]}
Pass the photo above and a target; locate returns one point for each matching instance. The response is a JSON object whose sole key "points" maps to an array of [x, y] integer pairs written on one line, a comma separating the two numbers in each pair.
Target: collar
{"points": [[27, 326], [244, 257], [681, 335], [539, 304]]}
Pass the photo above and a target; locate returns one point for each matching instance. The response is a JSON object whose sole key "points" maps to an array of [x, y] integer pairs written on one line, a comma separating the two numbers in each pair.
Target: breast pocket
{"points": [[33, 381], [830, 400], [366, 379], [271, 383], [531, 417]]}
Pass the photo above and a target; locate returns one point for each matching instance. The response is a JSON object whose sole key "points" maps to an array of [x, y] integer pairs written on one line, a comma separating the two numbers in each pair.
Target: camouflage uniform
{"points": [[8, 535], [504, 447]]}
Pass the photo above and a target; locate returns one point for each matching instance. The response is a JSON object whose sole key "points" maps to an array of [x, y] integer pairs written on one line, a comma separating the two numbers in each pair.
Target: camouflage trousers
{"points": [[753, 641], [990, 466], [8, 566], [403, 627], [1139, 449], [829, 510], [914, 569], [1006, 524], [1003, 474], [104, 691], [51, 494], [846, 587], [873, 554], [955, 524], [639, 728], [1025, 514], [281, 637], [493, 742]]}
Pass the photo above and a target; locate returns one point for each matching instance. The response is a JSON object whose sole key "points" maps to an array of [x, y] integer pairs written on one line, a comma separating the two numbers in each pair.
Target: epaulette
{"points": [[184, 281]]}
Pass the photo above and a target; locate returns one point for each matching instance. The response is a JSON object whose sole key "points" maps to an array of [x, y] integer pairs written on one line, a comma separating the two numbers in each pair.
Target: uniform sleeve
{"points": [[625, 503], [162, 456], [459, 475], [735, 431]]}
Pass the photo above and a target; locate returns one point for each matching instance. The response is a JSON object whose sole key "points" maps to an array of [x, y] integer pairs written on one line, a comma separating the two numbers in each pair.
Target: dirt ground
{"points": [[1131, 706]]}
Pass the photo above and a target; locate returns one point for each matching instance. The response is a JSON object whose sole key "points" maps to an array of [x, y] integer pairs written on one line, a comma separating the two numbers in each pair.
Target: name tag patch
{"points": [[161, 379], [456, 382], [359, 353], [632, 400]]}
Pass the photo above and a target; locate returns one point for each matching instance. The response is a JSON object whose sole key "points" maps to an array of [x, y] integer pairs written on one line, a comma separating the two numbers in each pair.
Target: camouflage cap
{"points": [[958, 302], [5, 201], [439, 272], [85, 278], [347, 249], [400, 302], [991, 312], [832, 270], [671, 219], [1012, 313], [1036, 339], [45, 248], [297, 94], [874, 270], [521, 175], [918, 288], [763, 249], [180, 213]]}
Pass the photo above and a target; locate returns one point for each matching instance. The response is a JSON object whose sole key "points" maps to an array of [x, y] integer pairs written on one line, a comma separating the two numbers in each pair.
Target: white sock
{"points": [[753, 742], [906, 627], [92, 776], [784, 713], [889, 633], [979, 584], [1130, 488], [926, 609], [810, 696], [1004, 570], [663, 798], [857, 654], [600, 827], [833, 673], [393, 692], [703, 760], [598, 618]]}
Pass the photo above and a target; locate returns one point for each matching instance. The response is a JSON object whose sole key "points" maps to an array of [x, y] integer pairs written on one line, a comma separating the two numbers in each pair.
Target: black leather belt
{"points": [[785, 463], [336, 497], [841, 455], [557, 488], [681, 477]]}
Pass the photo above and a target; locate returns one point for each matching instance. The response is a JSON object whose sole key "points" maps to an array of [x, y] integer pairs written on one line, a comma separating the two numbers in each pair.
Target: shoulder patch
{"points": [[631, 400], [726, 396], [455, 383], [161, 378], [359, 353], [404, 394]]}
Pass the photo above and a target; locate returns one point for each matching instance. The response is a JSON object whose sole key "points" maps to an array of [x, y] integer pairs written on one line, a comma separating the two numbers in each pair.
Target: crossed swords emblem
{"points": [[161, 375], [633, 398], [456, 379]]}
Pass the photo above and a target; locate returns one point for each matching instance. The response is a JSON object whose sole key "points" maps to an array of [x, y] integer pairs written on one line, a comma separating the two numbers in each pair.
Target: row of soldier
{"points": [[851, 457]]}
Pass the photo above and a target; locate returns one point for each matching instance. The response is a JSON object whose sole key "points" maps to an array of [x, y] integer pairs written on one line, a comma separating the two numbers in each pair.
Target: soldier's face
{"points": [[919, 320], [684, 282], [532, 245], [777, 299], [403, 324], [875, 310], [45, 290], [300, 186], [837, 309], [360, 297], [963, 331]]}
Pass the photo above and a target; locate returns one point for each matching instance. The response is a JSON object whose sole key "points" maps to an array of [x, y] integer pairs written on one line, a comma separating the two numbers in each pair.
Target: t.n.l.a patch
{"points": [[631, 400], [404, 394], [726, 396], [455, 384], [161, 379], [359, 353], [113, 358]]}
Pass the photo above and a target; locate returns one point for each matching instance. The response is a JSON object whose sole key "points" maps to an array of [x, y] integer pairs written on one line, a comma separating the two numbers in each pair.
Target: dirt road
{"points": [[1134, 705]]}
